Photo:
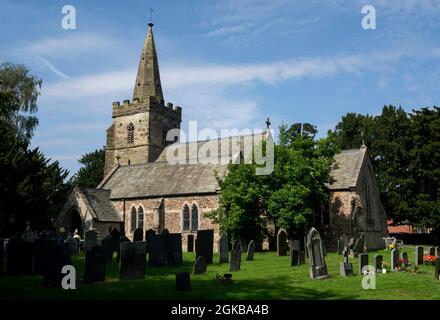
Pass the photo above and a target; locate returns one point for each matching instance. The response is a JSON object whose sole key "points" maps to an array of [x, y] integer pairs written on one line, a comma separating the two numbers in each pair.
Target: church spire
{"points": [[148, 78]]}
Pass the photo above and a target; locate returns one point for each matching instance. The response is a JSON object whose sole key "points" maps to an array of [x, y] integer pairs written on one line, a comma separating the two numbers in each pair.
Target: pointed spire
{"points": [[148, 77]]}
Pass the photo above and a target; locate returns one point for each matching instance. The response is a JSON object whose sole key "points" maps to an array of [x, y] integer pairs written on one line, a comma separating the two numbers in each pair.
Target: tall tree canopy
{"points": [[92, 170]]}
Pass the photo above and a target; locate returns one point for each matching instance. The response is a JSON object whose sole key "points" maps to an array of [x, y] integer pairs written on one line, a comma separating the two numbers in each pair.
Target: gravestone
{"points": [[133, 260], [90, 239], [39, 260], [174, 249], [345, 267], [282, 243], [108, 245], [437, 269], [318, 267], [377, 262], [190, 243], [419, 255], [200, 266], [360, 244], [235, 260], [73, 245], [404, 258], [183, 281], [20, 257], [122, 239], [149, 233], [363, 261], [94, 269], [2, 254], [431, 251], [205, 244], [55, 258], [138, 235], [394, 258], [437, 252], [116, 235], [165, 231], [250, 251], [223, 248], [294, 253], [157, 250]]}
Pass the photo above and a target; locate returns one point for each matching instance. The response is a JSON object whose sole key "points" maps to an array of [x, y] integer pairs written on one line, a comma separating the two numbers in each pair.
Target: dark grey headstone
{"points": [[90, 239], [205, 245], [55, 258], [108, 245], [318, 267], [20, 257], [363, 261], [377, 262], [148, 233], [116, 235], [138, 235], [437, 252], [118, 252], [404, 258], [345, 269], [294, 253], [235, 260], [419, 255], [223, 248], [165, 231], [94, 269], [183, 282], [133, 260], [437, 269], [282, 242], [190, 243], [250, 251], [431, 251], [174, 249], [200, 265], [157, 250], [394, 260]]}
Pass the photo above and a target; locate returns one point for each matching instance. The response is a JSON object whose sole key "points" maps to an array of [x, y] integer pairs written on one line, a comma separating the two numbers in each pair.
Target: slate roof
{"points": [[158, 179], [102, 208], [346, 169]]}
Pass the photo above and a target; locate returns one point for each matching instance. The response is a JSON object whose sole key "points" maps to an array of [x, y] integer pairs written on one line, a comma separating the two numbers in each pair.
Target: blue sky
{"points": [[229, 64]]}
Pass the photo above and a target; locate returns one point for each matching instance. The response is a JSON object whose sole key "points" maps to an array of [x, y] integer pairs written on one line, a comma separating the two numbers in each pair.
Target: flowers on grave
{"points": [[412, 269], [391, 246], [385, 266], [429, 260]]}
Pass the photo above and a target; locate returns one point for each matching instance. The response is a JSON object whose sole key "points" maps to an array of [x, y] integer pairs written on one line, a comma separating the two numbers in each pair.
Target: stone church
{"points": [[141, 189]]}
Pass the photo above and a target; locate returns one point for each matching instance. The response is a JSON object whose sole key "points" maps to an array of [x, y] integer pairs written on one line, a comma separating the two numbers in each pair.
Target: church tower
{"points": [[139, 127]]}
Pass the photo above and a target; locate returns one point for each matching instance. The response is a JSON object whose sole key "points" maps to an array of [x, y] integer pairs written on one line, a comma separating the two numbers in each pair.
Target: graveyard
{"points": [[268, 276]]}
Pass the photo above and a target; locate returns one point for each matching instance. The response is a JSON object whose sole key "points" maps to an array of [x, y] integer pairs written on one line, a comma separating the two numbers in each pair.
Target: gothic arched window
{"points": [[133, 219], [130, 133], [194, 218], [140, 220], [185, 218]]}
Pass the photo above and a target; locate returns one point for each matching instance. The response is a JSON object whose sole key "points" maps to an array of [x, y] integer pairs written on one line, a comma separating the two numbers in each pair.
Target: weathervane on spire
{"points": [[151, 17]]}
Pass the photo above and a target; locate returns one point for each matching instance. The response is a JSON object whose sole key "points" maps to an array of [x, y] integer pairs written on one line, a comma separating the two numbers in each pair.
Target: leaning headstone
{"points": [[205, 244], [294, 253], [235, 260], [133, 260], [318, 267], [419, 255], [122, 239], [404, 259], [223, 248], [174, 249], [157, 250], [431, 251], [437, 269], [282, 242], [345, 267], [363, 261], [90, 239], [55, 258], [72, 244], [138, 235], [19, 257], [250, 251], [108, 245], [94, 269], [394, 259], [183, 281], [190, 243], [200, 266], [377, 262]]}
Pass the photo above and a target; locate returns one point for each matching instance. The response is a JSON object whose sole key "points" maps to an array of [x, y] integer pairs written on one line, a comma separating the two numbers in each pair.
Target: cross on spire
{"points": [[268, 123]]}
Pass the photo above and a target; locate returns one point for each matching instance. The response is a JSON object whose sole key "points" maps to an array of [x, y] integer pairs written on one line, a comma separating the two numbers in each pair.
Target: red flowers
{"points": [[429, 260]]}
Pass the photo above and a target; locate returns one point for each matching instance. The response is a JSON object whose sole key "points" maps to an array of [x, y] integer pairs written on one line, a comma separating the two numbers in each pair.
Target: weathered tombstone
{"points": [[250, 251], [200, 266], [108, 244], [183, 281], [165, 231], [90, 239], [223, 248], [116, 235], [138, 235], [363, 261], [360, 244], [419, 255], [377, 262], [404, 259], [235, 260], [294, 253], [345, 267], [174, 249], [282, 242], [149, 233], [318, 267], [133, 260], [437, 269], [431, 251], [157, 250], [394, 258], [190, 243], [55, 258], [19, 257], [72, 244], [122, 239], [205, 244], [94, 269]]}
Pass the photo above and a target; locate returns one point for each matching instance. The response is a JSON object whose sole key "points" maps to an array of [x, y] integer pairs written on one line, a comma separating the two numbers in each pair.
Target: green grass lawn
{"points": [[267, 277]]}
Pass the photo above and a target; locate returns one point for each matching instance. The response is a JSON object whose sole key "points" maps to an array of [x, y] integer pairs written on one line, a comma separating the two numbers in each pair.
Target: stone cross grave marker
{"points": [[318, 267], [223, 248], [205, 244], [294, 253], [394, 258], [419, 255], [282, 243], [94, 269], [235, 260], [200, 266], [363, 261], [183, 281], [133, 260], [90, 239], [138, 235], [190, 243], [250, 251]]}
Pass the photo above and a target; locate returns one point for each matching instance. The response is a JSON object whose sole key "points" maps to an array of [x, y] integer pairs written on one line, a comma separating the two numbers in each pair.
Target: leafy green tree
{"points": [[92, 170]]}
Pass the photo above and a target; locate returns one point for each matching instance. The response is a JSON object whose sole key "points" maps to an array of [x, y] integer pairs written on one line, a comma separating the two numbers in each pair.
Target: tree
{"points": [[92, 170]]}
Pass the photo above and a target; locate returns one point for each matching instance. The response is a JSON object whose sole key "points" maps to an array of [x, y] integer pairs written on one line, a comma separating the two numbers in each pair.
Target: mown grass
{"points": [[267, 277]]}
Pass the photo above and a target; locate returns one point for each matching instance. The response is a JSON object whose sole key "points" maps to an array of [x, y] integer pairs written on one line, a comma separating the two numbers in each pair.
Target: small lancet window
{"points": [[130, 133]]}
